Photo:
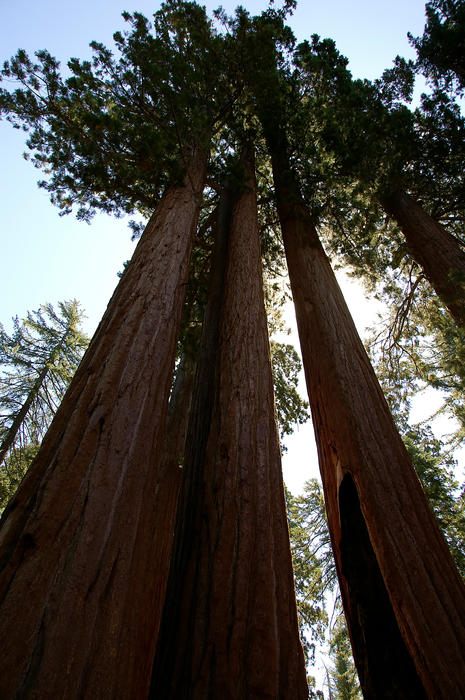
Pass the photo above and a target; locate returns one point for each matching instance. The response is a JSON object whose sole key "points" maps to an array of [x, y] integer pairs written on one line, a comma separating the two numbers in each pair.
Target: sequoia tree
{"points": [[440, 50], [231, 587], [381, 526], [100, 458], [410, 162], [83, 524], [102, 134], [373, 150], [86, 540]]}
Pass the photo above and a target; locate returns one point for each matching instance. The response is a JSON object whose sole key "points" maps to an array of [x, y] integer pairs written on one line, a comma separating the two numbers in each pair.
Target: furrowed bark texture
{"points": [[229, 628], [436, 251], [78, 587], [165, 497], [403, 597]]}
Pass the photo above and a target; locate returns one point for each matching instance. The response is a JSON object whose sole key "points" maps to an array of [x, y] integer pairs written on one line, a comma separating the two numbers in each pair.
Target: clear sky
{"points": [[45, 257]]}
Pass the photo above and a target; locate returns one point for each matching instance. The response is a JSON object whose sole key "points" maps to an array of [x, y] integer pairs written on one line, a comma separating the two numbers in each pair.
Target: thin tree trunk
{"points": [[229, 628], [436, 251], [78, 598], [160, 526], [403, 597], [15, 427]]}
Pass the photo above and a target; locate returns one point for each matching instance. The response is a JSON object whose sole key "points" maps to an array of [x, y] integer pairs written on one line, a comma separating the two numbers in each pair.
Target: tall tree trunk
{"points": [[436, 251], [160, 527], [229, 627], [403, 597], [78, 601]]}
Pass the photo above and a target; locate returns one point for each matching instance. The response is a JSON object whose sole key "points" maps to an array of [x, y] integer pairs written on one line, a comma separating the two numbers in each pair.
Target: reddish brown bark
{"points": [[403, 597], [78, 587], [229, 628], [437, 252], [165, 496]]}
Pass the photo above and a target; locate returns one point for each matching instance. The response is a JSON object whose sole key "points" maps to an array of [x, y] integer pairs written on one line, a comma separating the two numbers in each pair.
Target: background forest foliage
{"points": [[37, 362]]}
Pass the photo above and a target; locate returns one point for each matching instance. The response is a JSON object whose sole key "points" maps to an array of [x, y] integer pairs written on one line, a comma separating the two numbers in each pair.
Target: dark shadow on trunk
{"points": [[198, 431], [384, 665]]}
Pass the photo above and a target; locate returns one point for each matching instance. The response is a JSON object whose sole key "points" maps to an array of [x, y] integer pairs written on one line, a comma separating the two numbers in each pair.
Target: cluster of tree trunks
{"points": [[229, 628], [86, 545], [87, 540]]}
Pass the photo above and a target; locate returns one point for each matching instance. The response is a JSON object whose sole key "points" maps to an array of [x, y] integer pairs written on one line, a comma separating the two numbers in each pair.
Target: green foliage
{"points": [[365, 128], [419, 345], [291, 409], [37, 363], [358, 140], [438, 173], [13, 469], [343, 681], [441, 49], [312, 560], [435, 469], [316, 585], [115, 133]]}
